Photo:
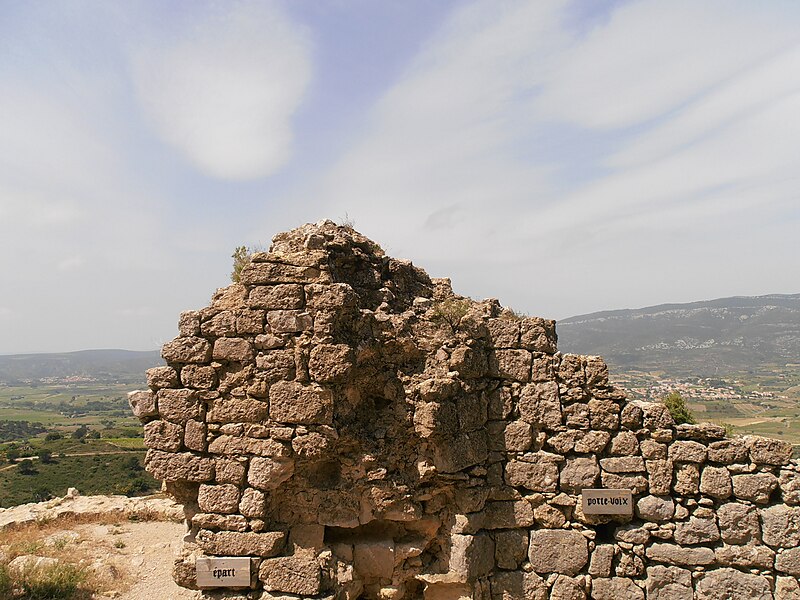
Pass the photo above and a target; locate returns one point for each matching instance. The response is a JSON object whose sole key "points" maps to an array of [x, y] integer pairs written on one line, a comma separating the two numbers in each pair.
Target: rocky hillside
{"points": [[709, 338], [107, 366]]}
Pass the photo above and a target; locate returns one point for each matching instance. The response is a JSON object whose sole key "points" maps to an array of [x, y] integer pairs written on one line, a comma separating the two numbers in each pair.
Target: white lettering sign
{"points": [[607, 502], [223, 572]]}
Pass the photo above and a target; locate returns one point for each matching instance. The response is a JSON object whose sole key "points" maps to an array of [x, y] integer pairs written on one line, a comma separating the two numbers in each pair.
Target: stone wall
{"points": [[359, 431]]}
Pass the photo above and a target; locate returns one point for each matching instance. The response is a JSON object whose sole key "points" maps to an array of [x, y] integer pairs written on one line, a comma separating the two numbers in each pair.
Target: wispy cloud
{"points": [[224, 90]]}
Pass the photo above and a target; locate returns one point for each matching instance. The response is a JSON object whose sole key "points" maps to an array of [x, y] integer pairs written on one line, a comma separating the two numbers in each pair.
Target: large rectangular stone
{"points": [[293, 402], [234, 543]]}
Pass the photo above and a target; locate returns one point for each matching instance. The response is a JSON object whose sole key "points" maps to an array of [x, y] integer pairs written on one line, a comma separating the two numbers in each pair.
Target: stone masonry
{"points": [[359, 431]]}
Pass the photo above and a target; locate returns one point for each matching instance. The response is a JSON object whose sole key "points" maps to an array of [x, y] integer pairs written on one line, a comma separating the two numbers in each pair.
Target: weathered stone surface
{"points": [[178, 406], [298, 574], [687, 451], [194, 436], [217, 522], [179, 466], [513, 585], [768, 451], [330, 362], [616, 588], [276, 297], [602, 560], [237, 410], [518, 436], [652, 450], [471, 557], [579, 473], [143, 404], [781, 526], [540, 406], [728, 452], [293, 402], [222, 499], [716, 482], [535, 476], [635, 483], [687, 479], [268, 473], [789, 483], [161, 377], [738, 523], [233, 350], [510, 364], [669, 583], [289, 321], [508, 514], [603, 414], [623, 464], [749, 556], [187, 350], [756, 487], [659, 476], [787, 588], [725, 583], [163, 435], [678, 555], [655, 415], [511, 548], [624, 443], [592, 442], [253, 503], [557, 551], [701, 432], [697, 531], [199, 377], [567, 588], [374, 558], [233, 543]]}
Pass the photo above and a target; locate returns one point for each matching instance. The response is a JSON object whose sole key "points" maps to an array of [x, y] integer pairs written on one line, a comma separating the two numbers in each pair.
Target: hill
{"points": [[705, 339], [105, 366]]}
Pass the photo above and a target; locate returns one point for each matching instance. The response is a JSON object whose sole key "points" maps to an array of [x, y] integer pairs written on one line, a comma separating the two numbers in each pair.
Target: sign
{"points": [[607, 502], [223, 572]]}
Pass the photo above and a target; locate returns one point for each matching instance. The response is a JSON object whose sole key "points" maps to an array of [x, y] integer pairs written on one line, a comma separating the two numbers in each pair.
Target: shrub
{"points": [[5, 582], [680, 411], [241, 257], [53, 582], [450, 312]]}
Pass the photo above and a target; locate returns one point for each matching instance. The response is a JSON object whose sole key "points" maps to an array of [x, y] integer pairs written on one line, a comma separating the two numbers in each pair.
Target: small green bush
{"points": [[450, 312], [680, 411]]}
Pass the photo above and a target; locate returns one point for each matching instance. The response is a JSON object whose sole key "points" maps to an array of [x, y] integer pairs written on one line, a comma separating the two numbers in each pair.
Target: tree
{"points": [[80, 432], [680, 411], [26, 467], [45, 456], [12, 453], [53, 436]]}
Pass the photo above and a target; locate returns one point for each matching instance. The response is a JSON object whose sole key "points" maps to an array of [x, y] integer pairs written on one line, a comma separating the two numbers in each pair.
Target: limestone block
{"points": [[161, 377], [262, 273], [503, 333], [738, 523], [579, 473], [374, 558], [567, 588], [187, 350], [194, 436], [716, 482], [543, 368], [179, 466], [518, 436], [767, 451], [237, 410], [549, 516], [669, 583], [178, 406], [604, 414], [787, 588], [289, 321], [217, 522], [655, 415], [311, 445], [293, 402], [687, 451], [558, 551], [602, 560], [756, 487], [593, 442], [701, 432], [687, 479], [725, 583], [748, 557], [616, 588], [659, 476], [789, 482], [540, 406], [276, 297], [461, 451], [189, 323], [514, 585], [534, 476], [143, 404], [234, 543], [577, 416], [631, 416], [471, 557], [781, 526], [219, 325], [623, 464], [330, 362], [697, 531], [199, 377], [673, 554], [298, 574], [632, 534], [652, 450], [564, 442], [728, 452], [624, 443], [635, 483], [571, 371], [253, 503], [230, 470], [538, 335], [233, 350], [596, 371], [163, 435], [510, 548], [266, 473], [507, 514], [276, 365], [223, 499]]}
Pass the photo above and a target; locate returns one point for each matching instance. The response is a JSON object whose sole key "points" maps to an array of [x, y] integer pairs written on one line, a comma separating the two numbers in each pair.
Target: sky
{"points": [[562, 156]]}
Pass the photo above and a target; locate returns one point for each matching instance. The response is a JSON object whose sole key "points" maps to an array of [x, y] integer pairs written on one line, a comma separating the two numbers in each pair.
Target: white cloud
{"points": [[224, 91]]}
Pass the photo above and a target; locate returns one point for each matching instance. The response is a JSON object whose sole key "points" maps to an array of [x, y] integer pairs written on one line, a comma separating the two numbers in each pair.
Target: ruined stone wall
{"points": [[360, 432]]}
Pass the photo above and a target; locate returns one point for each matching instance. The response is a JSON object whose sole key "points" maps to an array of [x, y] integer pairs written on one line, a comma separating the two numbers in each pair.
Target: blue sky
{"points": [[563, 156]]}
